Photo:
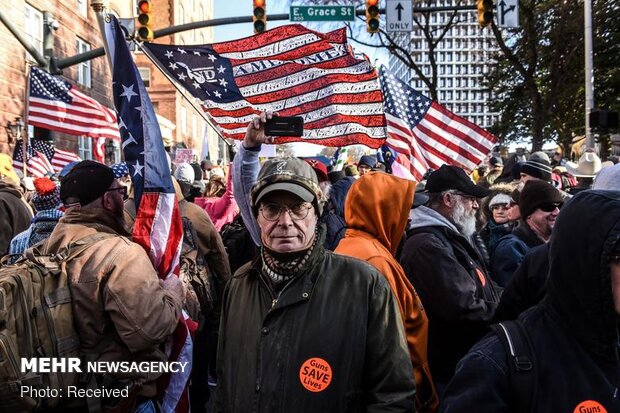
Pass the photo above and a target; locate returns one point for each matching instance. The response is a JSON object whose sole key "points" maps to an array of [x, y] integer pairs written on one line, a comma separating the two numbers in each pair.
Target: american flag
{"points": [[422, 134], [37, 164], [57, 157], [57, 105], [158, 226], [291, 70]]}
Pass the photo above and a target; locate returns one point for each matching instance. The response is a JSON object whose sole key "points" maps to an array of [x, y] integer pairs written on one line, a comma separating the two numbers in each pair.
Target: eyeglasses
{"points": [[614, 258], [272, 212], [122, 189], [550, 206]]}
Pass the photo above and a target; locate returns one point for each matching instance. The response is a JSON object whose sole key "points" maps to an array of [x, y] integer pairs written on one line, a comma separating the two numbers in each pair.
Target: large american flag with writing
{"points": [[291, 70], [57, 105], [37, 164], [158, 226], [57, 157], [422, 134]]}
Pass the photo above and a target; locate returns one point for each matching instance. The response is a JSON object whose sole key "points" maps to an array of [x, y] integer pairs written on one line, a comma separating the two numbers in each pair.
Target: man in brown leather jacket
{"points": [[123, 312]]}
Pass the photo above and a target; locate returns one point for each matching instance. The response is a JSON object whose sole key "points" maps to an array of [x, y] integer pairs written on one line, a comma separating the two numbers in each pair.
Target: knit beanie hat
{"points": [[367, 160], [87, 181], [535, 194], [499, 199], [185, 173], [47, 194], [120, 170], [538, 168]]}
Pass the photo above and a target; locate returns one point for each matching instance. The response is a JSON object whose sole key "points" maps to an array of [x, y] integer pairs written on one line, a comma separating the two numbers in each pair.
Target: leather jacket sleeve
{"points": [[389, 384], [143, 313]]}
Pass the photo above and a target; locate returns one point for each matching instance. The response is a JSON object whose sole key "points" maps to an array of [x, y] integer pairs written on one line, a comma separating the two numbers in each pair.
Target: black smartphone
{"points": [[284, 126]]}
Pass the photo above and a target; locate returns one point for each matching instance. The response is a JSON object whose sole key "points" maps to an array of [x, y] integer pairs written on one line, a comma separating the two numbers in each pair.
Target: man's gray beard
{"points": [[465, 223]]}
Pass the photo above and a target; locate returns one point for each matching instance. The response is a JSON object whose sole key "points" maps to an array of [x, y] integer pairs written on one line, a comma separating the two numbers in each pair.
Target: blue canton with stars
{"points": [[45, 86], [402, 101], [200, 69], [142, 142]]}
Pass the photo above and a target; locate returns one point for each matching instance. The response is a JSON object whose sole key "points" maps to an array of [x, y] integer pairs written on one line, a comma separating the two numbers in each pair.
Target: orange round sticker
{"points": [[590, 406], [315, 374], [481, 276]]}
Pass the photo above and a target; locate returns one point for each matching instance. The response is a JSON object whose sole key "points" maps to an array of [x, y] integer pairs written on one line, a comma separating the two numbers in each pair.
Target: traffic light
{"points": [[259, 16], [145, 18], [485, 12], [372, 16]]}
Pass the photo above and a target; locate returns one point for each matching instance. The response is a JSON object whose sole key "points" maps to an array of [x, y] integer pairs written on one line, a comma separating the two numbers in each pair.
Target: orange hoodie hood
{"points": [[379, 204]]}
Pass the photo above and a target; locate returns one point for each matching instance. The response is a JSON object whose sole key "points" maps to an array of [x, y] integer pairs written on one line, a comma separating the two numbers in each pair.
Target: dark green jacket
{"points": [[338, 309]]}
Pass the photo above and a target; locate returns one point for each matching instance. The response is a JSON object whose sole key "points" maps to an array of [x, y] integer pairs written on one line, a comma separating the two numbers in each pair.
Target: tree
{"points": [[538, 77], [285, 150]]}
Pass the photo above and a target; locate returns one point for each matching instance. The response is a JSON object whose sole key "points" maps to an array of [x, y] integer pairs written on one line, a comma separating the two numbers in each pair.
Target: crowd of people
{"points": [[317, 290]]}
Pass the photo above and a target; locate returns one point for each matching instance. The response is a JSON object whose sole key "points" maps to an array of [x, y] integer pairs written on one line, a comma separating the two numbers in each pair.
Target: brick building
{"points": [[73, 28], [179, 122]]}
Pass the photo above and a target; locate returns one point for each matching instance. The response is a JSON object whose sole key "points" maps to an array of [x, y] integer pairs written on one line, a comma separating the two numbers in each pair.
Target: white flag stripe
{"points": [[298, 100], [300, 78], [471, 133], [366, 109], [442, 148], [86, 116], [275, 48], [101, 131]]}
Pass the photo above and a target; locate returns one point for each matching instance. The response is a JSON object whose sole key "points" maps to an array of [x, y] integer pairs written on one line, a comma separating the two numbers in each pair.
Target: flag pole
{"points": [[183, 93], [24, 130]]}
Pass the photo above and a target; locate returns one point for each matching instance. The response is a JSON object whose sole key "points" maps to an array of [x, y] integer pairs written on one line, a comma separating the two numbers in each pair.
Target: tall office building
{"points": [[462, 58]]}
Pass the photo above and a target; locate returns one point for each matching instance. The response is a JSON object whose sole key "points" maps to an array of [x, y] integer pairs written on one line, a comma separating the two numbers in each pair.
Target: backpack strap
{"points": [[522, 363]]}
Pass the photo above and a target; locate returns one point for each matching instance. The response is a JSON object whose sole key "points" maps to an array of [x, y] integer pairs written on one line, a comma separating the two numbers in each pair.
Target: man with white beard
{"points": [[448, 271]]}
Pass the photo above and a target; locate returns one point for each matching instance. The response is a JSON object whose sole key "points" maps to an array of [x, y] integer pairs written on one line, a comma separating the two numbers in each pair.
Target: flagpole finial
{"points": [[98, 6]]}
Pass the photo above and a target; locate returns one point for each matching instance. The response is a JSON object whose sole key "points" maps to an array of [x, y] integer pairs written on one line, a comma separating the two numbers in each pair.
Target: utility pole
{"points": [[587, 15]]}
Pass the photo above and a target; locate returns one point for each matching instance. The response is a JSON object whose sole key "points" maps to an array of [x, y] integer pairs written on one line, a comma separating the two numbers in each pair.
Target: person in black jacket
{"points": [[540, 204], [573, 331], [304, 329], [447, 270]]}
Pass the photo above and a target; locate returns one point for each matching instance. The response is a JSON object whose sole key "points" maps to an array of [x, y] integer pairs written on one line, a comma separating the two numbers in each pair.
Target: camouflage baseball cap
{"points": [[287, 174]]}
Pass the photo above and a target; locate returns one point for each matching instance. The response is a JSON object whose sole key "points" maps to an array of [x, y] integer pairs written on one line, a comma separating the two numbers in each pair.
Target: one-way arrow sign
{"points": [[508, 13], [399, 15]]}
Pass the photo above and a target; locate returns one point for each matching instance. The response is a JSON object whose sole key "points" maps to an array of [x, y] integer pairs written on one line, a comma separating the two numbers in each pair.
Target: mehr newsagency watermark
{"points": [[76, 365]]}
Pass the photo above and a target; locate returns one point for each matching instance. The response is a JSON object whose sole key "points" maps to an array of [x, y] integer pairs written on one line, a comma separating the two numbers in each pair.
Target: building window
{"points": [[82, 7], [183, 120], [33, 29], [85, 147], [145, 74], [83, 76]]}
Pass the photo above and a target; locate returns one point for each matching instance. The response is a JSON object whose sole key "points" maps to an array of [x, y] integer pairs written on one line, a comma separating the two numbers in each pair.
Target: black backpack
{"points": [[522, 363], [238, 242]]}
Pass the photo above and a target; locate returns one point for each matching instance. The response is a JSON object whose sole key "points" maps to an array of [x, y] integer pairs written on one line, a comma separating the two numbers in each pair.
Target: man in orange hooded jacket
{"points": [[376, 212]]}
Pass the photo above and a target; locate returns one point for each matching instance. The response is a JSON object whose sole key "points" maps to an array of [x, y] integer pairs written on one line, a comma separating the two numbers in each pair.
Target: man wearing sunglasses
{"points": [[304, 329], [540, 204], [573, 332]]}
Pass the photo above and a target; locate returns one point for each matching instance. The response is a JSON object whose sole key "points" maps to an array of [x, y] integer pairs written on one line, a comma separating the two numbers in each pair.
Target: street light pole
{"points": [[587, 15]]}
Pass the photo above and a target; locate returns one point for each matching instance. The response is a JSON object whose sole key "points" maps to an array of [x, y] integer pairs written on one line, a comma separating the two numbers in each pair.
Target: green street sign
{"points": [[322, 13]]}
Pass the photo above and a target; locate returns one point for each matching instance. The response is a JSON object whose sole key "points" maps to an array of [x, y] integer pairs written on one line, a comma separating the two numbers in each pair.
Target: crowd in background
{"points": [[533, 239]]}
